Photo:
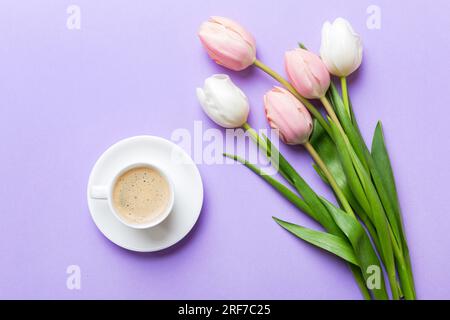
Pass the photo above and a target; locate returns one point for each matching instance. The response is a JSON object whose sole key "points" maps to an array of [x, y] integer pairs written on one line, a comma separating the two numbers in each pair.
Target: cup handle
{"points": [[99, 192]]}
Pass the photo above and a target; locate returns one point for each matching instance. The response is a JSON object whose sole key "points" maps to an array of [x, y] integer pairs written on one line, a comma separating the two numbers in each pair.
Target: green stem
{"points": [[326, 103], [332, 114], [316, 114], [345, 96], [410, 274], [403, 272], [261, 144], [251, 131], [330, 178]]}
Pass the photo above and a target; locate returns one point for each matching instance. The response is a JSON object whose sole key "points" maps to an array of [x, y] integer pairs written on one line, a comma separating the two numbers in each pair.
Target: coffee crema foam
{"points": [[140, 195]]}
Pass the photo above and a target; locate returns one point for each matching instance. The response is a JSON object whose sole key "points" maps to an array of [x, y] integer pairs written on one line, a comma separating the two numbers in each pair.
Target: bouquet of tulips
{"points": [[365, 229]]}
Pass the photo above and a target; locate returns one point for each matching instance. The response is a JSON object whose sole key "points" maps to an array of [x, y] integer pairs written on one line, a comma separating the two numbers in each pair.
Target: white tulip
{"points": [[341, 48], [223, 101]]}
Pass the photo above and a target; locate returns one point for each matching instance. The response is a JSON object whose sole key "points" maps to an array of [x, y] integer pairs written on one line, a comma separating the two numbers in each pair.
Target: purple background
{"points": [[65, 96]]}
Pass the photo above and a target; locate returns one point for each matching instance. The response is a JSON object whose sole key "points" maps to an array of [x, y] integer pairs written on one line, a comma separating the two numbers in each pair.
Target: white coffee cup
{"points": [[105, 192]]}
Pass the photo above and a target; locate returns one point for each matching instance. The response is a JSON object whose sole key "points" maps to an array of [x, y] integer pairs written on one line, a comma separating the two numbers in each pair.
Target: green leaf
{"points": [[377, 213], [347, 165], [385, 187], [326, 241], [381, 160], [392, 215], [326, 148], [360, 149], [358, 146], [362, 246], [355, 139], [302, 187], [383, 166], [324, 145]]}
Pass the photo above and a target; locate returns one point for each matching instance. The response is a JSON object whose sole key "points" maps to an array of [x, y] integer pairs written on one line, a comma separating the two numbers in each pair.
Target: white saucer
{"points": [[181, 170]]}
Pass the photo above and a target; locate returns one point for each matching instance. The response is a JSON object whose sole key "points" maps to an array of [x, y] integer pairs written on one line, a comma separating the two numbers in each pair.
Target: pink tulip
{"points": [[288, 115], [228, 43], [307, 73]]}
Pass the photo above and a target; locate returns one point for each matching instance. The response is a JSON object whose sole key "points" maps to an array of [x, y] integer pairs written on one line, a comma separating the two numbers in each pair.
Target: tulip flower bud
{"points": [[288, 115], [223, 101], [228, 43], [341, 48], [307, 73]]}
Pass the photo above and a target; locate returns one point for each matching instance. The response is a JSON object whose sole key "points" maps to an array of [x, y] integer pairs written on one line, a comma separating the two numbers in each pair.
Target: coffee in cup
{"points": [[140, 195]]}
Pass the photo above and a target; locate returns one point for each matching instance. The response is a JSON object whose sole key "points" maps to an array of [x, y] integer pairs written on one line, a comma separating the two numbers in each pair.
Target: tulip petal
{"points": [[341, 47], [223, 101], [227, 43], [307, 73], [288, 116]]}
